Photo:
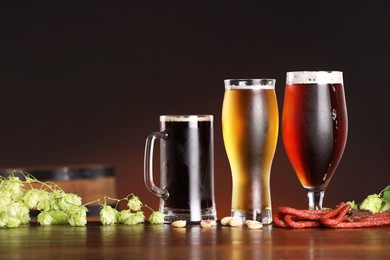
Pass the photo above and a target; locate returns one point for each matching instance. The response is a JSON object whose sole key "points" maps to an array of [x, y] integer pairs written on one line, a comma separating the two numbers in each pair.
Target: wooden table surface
{"points": [[146, 241]]}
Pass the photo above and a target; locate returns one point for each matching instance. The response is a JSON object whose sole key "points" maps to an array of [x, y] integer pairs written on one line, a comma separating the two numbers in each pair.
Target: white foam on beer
{"points": [[186, 118], [249, 84], [308, 77]]}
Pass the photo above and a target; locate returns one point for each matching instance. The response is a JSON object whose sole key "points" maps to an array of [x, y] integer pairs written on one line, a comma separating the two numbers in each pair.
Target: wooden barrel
{"points": [[90, 182]]}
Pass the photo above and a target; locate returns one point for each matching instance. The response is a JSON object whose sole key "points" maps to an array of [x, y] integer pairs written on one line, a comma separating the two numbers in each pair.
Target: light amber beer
{"points": [[250, 124]]}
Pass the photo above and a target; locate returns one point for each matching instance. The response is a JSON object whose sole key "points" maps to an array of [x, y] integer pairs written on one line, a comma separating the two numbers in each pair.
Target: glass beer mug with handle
{"points": [[186, 165], [250, 123], [314, 128]]}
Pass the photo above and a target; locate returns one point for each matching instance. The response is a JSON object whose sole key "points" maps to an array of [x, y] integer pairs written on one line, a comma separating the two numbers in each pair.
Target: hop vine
{"points": [[56, 207]]}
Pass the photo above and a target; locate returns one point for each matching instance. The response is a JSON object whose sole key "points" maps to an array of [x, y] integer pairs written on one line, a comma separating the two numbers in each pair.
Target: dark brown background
{"points": [[86, 83]]}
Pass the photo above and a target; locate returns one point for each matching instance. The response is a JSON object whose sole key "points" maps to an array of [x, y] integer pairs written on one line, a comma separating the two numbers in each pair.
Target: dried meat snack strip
{"points": [[363, 223], [278, 220], [342, 212], [291, 222], [303, 214]]}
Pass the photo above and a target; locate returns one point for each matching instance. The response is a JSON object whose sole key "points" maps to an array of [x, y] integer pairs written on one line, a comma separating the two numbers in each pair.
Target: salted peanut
{"points": [[208, 223], [236, 222], [179, 223], [225, 221], [253, 224]]}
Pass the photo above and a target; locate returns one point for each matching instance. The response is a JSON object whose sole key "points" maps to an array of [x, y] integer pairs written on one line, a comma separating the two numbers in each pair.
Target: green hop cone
{"points": [[135, 218], [33, 196], [13, 222], [108, 215], [14, 209], [56, 200], [15, 186], [77, 221], [60, 217], [43, 203], [77, 216], [5, 199], [59, 200], [352, 204], [372, 203], [134, 203], [156, 217], [3, 218], [9, 221], [123, 215], [44, 218], [139, 217], [24, 214], [73, 199]]}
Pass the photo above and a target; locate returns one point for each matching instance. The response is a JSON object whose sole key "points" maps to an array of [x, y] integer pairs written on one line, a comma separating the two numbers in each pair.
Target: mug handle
{"points": [[148, 165]]}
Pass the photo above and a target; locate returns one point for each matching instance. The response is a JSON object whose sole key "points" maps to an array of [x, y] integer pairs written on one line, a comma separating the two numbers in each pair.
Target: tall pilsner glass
{"points": [[314, 128], [250, 124]]}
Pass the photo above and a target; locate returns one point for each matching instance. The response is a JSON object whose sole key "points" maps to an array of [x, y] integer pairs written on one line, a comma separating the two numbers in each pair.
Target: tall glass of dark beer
{"points": [[187, 167], [250, 124], [314, 128]]}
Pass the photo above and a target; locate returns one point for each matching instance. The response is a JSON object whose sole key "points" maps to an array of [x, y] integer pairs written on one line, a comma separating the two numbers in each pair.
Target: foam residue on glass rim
{"points": [[186, 118], [249, 83], [310, 77]]}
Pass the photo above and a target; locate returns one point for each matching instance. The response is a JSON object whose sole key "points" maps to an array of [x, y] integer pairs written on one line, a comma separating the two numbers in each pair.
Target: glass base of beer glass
{"points": [[172, 214], [265, 216], [315, 199]]}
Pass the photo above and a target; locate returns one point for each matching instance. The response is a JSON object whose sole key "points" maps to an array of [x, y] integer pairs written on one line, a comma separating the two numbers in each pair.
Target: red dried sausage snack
{"points": [[289, 219], [363, 223], [302, 214], [278, 220], [340, 216], [334, 212]]}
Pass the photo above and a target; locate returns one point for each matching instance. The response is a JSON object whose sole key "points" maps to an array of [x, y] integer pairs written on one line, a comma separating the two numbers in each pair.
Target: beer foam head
{"points": [[309, 77], [186, 118], [249, 83]]}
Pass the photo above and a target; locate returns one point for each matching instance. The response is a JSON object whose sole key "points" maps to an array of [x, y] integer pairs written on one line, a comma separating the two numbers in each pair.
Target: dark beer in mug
{"points": [[186, 165]]}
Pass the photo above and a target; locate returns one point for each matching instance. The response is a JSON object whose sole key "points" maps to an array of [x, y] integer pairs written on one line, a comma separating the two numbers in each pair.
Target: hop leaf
{"points": [[156, 217], [385, 194], [134, 203], [385, 206], [108, 215]]}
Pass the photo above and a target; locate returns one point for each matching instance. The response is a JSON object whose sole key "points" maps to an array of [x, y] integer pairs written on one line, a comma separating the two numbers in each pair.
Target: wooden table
{"points": [[162, 242]]}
